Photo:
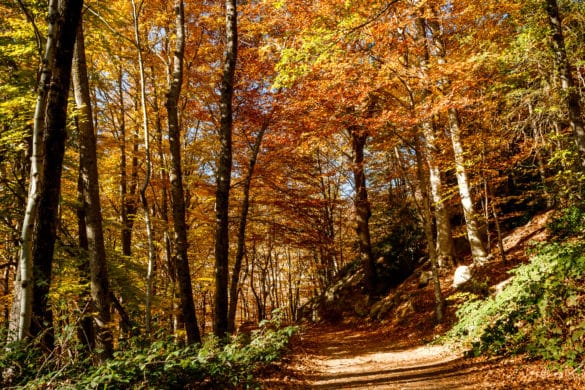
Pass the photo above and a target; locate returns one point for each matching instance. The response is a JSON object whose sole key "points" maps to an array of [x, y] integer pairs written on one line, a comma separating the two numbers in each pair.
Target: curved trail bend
{"points": [[357, 357]]}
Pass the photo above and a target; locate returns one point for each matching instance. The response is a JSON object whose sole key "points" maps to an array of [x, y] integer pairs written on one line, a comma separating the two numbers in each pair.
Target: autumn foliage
{"points": [[376, 133]]}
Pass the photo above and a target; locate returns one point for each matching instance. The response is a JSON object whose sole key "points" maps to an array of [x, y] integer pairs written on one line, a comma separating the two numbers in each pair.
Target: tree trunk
{"points": [[234, 286], [500, 236], [428, 229], [362, 209], [476, 243], [147, 174], [85, 326], [45, 232], [220, 321], [445, 246], [164, 203], [100, 289], [571, 94], [127, 201], [183, 273], [21, 312]]}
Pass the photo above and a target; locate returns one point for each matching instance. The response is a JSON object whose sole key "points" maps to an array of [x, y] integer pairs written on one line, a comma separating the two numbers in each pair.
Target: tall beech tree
{"points": [[445, 246], [181, 260], [21, 314], [99, 283], [435, 31], [224, 169], [136, 10], [67, 17], [127, 192]]}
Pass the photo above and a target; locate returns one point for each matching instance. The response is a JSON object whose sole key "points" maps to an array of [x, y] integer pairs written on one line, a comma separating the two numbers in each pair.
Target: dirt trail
{"points": [[393, 354], [357, 357], [347, 360]]}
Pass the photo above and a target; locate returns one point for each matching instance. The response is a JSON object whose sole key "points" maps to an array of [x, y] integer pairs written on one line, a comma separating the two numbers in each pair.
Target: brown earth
{"points": [[352, 356], [395, 353]]}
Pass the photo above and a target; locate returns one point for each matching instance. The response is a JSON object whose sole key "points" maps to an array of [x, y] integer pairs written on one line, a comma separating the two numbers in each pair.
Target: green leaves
{"points": [[541, 311], [164, 364]]}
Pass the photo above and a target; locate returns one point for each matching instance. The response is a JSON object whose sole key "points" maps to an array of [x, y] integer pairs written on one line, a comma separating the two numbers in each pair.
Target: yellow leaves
{"points": [[314, 49]]}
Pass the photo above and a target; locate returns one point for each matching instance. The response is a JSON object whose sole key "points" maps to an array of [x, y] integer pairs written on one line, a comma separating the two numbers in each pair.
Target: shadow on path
{"points": [[450, 374]]}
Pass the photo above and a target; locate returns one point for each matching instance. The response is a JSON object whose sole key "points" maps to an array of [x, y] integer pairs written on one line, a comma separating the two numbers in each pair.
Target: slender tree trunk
{"points": [[571, 94], [176, 176], [428, 229], [478, 250], [362, 207], [445, 246], [164, 203], [148, 169], [45, 232], [500, 236], [21, 314], [85, 327], [127, 202], [220, 321], [100, 289], [234, 286], [476, 243]]}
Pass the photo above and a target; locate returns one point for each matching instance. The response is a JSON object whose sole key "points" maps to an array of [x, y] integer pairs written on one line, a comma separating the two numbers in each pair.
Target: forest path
{"points": [[395, 354], [362, 357], [365, 359]]}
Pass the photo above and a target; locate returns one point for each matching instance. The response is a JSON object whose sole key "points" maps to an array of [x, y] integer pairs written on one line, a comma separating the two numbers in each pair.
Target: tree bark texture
{"points": [[181, 265], [45, 232], [478, 251], [21, 312], [220, 321], [99, 282]]}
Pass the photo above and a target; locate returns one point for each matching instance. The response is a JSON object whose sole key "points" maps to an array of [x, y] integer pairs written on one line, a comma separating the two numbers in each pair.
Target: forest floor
{"points": [[397, 354], [350, 356]]}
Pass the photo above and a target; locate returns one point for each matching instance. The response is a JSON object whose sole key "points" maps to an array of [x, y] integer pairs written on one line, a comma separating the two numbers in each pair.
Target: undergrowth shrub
{"points": [[164, 364], [570, 223], [214, 364], [29, 364], [542, 311]]}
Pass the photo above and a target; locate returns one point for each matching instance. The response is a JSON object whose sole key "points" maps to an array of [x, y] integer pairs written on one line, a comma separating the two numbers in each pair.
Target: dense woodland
{"points": [[173, 170]]}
